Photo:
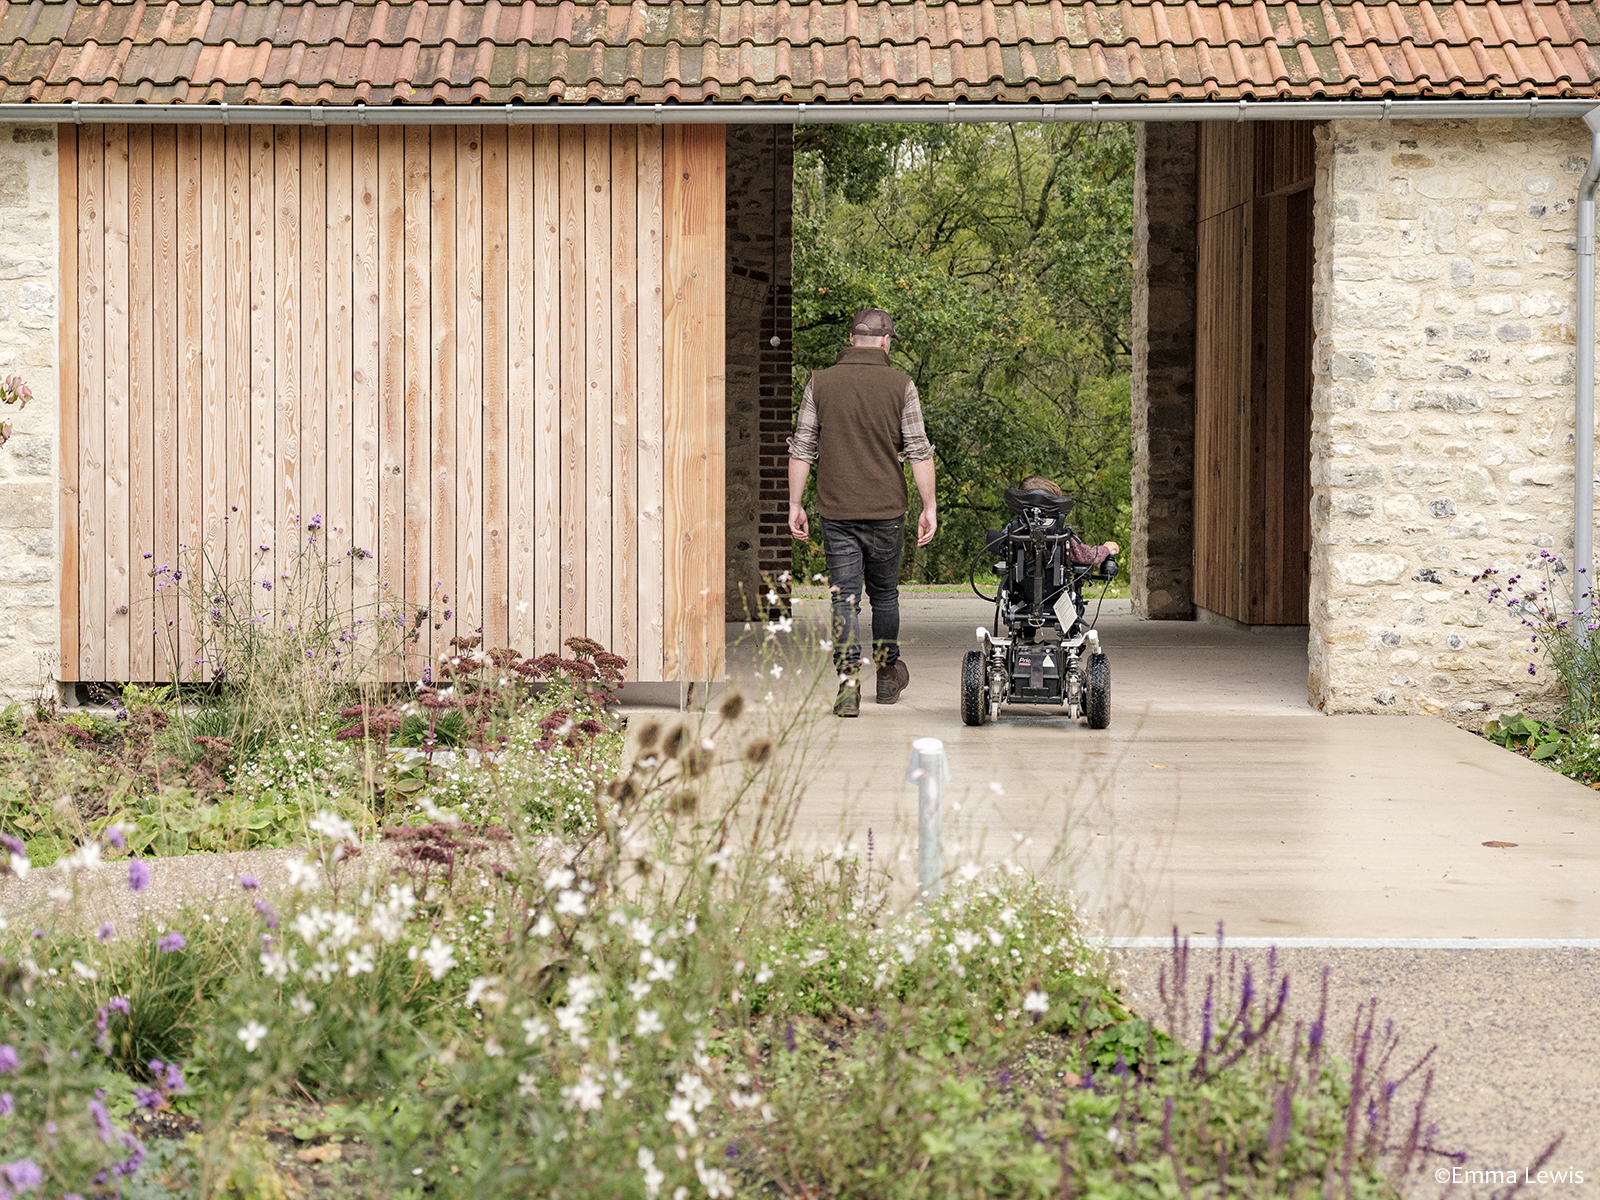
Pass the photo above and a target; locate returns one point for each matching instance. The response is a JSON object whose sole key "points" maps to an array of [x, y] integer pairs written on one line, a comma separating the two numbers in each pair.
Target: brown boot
{"points": [[892, 680], [848, 701]]}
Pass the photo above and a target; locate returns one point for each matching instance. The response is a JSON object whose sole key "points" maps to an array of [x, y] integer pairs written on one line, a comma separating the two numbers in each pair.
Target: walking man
{"points": [[859, 421]]}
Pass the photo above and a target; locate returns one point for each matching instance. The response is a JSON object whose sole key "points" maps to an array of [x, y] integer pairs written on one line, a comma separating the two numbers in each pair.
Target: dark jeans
{"points": [[864, 556]]}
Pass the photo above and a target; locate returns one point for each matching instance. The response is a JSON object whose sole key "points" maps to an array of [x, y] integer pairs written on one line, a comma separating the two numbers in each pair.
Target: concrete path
{"points": [[1218, 794]]}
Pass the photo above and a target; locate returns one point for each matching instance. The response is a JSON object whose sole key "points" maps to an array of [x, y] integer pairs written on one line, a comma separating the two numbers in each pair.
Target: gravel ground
{"points": [[1517, 1060]]}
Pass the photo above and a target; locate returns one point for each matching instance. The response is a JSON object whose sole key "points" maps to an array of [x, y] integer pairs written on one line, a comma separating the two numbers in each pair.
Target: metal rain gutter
{"points": [[754, 113], [1583, 466]]}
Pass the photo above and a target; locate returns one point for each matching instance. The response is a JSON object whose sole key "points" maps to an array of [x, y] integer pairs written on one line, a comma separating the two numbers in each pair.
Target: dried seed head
{"points": [[684, 802], [697, 762], [674, 742], [648, 735], [732, 706], [757, 753]]}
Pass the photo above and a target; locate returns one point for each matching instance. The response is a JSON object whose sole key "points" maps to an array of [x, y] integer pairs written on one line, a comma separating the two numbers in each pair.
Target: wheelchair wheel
{"points": [[1097, 705], [974, 701]]}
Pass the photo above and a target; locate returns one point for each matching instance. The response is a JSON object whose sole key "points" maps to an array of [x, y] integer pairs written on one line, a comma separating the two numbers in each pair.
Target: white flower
{"points": [[493, 1048], [544, 926], [681, 1112], [814, 957], [527, 1084], [660, 969], [653, 1175], [969, 871], [561, 877], [569, 903], [84, 971], [776, 885], [303, 876], [998, 788], [1036, 1002], [332, 826], [274, 965], [641, 931], [59, 893], [251, 1035], [439, 956], [741, 1100], [772, 596], [522, 608], [586, 1094], [360, 960], [20, 866], [638, 989], [582, 990], [571, 1020], [85, 858], [781, 625], [302, 1006], [484, 988], [714, 1180], [535, 1028], [777, 670], [648, 1022], [966, 939], [764, 974]]}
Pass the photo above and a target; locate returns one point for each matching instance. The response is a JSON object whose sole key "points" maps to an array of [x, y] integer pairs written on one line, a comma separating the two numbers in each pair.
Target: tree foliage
{"points": [[1004, 254]]}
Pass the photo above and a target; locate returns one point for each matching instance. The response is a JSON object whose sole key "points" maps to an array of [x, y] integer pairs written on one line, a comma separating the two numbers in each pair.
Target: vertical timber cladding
{"points": [[492, 358], [1253, 372]]}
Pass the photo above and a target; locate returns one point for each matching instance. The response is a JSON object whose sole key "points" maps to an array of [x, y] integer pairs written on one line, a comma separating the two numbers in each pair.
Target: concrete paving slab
{"points": [[1219, 794]]}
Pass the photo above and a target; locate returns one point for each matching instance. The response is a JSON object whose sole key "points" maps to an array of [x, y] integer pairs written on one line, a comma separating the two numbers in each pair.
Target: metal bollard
{"points": [[930, 772]]}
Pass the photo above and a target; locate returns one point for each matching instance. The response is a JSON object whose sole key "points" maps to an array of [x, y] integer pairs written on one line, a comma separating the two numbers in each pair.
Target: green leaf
{"points": [[1546, 750]]}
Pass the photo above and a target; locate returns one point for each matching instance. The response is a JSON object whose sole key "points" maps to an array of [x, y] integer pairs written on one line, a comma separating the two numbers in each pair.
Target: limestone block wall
{"points": [[29, 281], [1162, 553], [1442, 436]]}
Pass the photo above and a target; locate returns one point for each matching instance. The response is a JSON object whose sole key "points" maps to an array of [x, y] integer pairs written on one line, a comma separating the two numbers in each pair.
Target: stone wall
{"points": [[28, 348], [760, 273], [1162, 554], [1442, 436]]}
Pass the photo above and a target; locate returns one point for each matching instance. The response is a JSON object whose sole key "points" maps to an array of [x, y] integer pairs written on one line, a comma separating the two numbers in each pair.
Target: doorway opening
{"points": [[1253, 352]]}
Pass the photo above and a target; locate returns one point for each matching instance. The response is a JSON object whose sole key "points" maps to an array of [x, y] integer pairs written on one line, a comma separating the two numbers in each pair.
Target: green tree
{"points": [[1004, 254]]}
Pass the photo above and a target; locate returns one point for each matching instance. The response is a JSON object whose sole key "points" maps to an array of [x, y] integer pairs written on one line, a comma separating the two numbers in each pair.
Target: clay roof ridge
{"points": [[1281, 80], [1349, 82], [1063, 48], [1547, 51], [1173, 75], [1209, 84], [1372, 46], [1408, 48], [1236, 59], [1097, 47], [1576, 38], [1480, 56], [1132, 47], [1508, 45], [1440, 45]]}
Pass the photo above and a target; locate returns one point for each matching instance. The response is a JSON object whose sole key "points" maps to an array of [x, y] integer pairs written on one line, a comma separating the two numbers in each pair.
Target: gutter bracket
{"points": [[1240, 117], [361, 114], [1094, 111], [77, 117], [224, 110]]}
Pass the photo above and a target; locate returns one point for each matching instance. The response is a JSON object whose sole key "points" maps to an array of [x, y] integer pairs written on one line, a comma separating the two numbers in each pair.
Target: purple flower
{"points": [[119, 1004], [167, 943], [267, 911], [114, 836], [6, 1104], [8, 1059], [22, 1175], [249, 882], [149, 1099], [13, 844], [105, 933], [138, 875], [102, 1120]]}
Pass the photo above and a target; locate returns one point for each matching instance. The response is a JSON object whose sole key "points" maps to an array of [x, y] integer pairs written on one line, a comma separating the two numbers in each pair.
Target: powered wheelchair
{"points": [[1039, 650]]}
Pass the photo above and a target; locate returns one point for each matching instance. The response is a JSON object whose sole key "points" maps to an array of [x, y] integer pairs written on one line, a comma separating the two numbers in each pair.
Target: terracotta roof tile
{"points": [[464, 51]]}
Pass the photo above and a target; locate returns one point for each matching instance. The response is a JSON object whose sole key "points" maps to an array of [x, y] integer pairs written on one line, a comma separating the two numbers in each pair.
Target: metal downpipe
{"points": [[1583, 466]]}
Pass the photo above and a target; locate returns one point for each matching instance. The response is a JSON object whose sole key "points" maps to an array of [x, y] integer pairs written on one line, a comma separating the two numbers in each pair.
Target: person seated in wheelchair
{"points": [[1080, 553]]}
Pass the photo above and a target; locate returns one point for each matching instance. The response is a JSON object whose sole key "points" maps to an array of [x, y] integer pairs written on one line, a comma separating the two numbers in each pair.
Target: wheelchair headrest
{"points": [[1020, 501]]}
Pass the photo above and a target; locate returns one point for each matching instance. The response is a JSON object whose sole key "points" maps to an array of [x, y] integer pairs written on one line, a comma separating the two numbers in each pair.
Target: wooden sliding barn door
{"points": [[489, 358], [1253, 372]]}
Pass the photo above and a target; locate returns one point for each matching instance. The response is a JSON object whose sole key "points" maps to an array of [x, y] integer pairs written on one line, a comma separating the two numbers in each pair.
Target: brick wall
{"points": [[1161, 557], [760, 275], [28, 348], [1442, 437]]}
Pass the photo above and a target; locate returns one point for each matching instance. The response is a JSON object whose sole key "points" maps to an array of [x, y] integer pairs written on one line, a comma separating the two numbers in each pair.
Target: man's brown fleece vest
{"points": [[859, 402]]}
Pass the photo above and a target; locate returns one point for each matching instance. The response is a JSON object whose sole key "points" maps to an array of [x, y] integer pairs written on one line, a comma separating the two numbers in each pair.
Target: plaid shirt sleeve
{"points": [[803, 442], [912, 434]]}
